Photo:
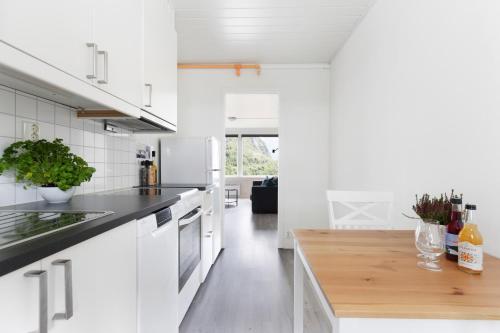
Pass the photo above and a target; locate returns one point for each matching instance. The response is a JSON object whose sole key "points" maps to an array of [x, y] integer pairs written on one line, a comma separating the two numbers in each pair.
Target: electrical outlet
{"points": [[31, 131]]}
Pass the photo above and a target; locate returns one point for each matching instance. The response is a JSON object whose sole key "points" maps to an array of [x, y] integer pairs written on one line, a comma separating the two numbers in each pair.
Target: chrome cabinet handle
{"points": [[209, 213], [191, 219], [105, 79], [150, 88], [93, 75], [43, 322], [68, 289]]}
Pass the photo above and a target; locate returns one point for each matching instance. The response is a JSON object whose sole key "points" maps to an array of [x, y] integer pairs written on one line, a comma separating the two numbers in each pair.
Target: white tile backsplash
{"points": [[25, 195], [63, 116], [76, 137], [75, 122], [8, 177], [25, 106], [46, 131], [7, 101], [113, 155], [7, 194], [7, 125], [62, 132], [77, 150], [88, 138], [99, 155], [45, 111], [88, 154], [20, 121], [99, 140]]}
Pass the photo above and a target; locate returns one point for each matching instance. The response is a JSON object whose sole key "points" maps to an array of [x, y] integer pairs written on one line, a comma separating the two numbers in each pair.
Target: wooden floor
{"points": [[250, 287]]}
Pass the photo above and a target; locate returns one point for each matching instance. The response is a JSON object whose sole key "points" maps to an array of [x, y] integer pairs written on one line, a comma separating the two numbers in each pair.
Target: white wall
{"points": [[416, 104], [304, 116], [113, 157]]}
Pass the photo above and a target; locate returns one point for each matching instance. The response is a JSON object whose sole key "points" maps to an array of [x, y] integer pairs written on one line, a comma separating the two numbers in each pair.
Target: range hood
{"points": [[145, 123]]}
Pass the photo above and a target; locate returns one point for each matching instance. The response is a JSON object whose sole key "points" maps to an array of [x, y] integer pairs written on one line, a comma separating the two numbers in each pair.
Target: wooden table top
{"points": [[374, 274]]}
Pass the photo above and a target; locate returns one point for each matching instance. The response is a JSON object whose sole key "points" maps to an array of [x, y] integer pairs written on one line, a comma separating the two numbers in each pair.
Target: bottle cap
{"points": [[456, 200], [470, 207]]}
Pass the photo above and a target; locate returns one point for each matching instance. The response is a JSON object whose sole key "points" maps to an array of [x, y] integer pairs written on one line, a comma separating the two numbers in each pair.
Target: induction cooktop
{"points": [[17, 226], [152, 191]]}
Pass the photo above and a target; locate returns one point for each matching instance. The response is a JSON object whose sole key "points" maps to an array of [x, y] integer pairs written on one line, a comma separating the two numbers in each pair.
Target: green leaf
{"points": [[44, 163]]}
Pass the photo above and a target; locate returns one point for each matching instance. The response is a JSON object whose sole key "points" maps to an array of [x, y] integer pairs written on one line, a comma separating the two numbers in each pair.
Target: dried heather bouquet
{"points": [[434, 208]]}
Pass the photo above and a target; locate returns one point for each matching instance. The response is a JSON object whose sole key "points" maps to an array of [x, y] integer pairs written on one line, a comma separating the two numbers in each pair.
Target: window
{"points": [[231, 155], [258, 156]]}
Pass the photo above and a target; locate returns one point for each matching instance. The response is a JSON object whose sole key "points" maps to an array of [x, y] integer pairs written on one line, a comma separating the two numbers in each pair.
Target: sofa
{"points": [[265, 197]]}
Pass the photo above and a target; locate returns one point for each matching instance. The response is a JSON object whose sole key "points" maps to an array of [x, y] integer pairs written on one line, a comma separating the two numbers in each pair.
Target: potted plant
{"points": [[49, 165], [433, 208]]}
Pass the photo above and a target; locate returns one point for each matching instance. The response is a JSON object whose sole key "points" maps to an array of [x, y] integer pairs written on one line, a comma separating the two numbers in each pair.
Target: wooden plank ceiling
{"points": [[265, 31]]}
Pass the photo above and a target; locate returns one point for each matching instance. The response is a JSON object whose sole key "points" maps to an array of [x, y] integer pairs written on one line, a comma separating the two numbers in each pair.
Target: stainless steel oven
{"points": [[189, 244]]}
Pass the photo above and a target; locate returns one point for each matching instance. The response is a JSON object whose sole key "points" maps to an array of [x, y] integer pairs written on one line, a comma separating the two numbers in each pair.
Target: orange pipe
{"points": [[236, 67]]}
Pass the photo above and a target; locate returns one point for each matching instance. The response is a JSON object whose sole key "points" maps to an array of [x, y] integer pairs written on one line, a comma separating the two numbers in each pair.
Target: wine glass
{"points": [[430, 241]]}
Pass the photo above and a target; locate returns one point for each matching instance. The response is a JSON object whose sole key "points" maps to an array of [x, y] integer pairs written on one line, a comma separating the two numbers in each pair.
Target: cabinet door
{"points": [[206, 244], [118, 33], [103, 280], [20, 300], [160, 61], [217, 223], [54, 31]]}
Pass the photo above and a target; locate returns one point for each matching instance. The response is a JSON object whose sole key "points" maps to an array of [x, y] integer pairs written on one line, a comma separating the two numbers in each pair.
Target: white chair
{"points": [[361, 212]]}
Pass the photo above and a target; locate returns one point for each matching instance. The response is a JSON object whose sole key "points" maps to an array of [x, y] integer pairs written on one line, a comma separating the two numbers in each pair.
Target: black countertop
{"points": [[127, 206], [201, 187]]}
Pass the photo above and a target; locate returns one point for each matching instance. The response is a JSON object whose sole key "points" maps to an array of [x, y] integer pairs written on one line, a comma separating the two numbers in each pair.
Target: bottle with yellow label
{"points": [[470, 244]]}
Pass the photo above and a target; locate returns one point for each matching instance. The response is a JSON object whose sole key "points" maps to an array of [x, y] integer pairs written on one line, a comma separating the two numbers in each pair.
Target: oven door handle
{"points": [[190, 219]]}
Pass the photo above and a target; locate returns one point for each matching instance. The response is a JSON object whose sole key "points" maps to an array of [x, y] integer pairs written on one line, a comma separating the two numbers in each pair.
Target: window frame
{"points": [[239, 153]]}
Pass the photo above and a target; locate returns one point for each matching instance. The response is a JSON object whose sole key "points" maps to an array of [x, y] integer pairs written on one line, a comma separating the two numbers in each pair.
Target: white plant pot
{"points": [[55, 194]]}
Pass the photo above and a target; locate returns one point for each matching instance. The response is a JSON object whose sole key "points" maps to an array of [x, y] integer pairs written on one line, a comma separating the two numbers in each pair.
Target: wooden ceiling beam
{"points": [[237, 67]]}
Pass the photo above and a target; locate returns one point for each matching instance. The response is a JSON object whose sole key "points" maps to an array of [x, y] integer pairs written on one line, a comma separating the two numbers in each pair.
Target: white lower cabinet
{"points": [[20, 299], [217, 223], [206, 244], [91, 287]]}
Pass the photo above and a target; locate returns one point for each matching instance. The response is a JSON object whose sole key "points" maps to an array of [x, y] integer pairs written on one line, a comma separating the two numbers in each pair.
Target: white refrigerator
{"points": [[190, 161], [195, 162]]}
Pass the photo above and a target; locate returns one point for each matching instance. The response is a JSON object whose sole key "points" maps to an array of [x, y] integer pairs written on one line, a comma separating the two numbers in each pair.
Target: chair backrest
{"points": [[361, 209]]}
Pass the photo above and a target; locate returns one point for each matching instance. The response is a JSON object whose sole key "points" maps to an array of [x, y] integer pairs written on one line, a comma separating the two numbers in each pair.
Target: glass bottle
{"points": [[154, 171], [470, 244], [454, 228]]}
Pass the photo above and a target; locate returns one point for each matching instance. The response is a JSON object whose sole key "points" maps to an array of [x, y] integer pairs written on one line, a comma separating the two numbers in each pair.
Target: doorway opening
{"points": [[251, 166]]}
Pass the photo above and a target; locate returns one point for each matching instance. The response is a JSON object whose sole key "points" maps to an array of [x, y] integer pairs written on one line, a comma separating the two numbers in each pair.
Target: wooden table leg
{"points": [[298, 293]]}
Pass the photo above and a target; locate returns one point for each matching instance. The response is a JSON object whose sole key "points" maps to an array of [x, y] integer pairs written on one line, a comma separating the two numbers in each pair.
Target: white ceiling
{"points": [[264, 31]]}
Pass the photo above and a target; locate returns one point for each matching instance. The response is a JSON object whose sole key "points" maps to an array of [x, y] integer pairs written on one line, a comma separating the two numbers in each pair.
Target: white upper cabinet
{"points": [[160, 61], [55, 31], [113, 54], [117, 31], [99, 42]]}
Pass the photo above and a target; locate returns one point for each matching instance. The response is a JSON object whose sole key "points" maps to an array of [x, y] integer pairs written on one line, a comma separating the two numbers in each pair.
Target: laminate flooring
{"points": [[250, 286]]}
